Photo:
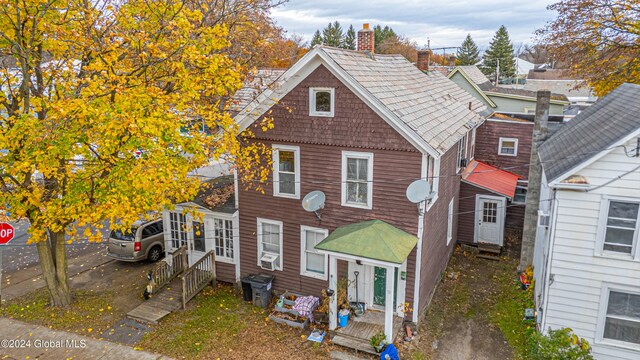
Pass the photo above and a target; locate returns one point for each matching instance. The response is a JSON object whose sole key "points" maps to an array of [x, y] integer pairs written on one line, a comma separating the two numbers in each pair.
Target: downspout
{"points": [[547, 277], [422, 212]]}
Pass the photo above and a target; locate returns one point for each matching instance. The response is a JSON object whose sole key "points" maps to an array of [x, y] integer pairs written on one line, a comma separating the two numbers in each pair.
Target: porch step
{"points": [[358, 345], [489, 248], [341, 355], [488, 257]]}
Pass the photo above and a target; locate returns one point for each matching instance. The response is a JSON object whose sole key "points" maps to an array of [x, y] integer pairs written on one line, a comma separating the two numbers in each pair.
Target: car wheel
{"points": [[154, 254]]}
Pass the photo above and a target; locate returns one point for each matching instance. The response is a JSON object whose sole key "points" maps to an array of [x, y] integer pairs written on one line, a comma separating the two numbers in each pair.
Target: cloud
{"points": [[444, 23]]}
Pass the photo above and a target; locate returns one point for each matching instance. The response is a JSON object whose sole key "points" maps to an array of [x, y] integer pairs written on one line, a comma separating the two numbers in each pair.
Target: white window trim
{"points": [[450, 222], [462, 148], [303, 254], [312, 102], [602, 226], [261, 221], [358, 155], [521, 184], [225, 259], [472, 148], [276, 170], [436, 180], [515, 150], [602, 315]]}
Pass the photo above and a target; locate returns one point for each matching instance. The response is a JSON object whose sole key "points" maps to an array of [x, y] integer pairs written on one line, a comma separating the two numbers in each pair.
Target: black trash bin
{"points": [[247, 294], [261, 289]]}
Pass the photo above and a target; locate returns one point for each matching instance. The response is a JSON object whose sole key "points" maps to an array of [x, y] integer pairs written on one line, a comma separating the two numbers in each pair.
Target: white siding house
{"points": [[587, 260]]}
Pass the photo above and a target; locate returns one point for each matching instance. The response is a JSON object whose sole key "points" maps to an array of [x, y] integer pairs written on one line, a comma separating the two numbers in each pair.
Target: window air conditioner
{"points": [[268, 261], [543, 219]]}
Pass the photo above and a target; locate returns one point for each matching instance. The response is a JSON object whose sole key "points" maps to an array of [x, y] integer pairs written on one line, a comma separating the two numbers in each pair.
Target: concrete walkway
{"points": [[19, 340]]}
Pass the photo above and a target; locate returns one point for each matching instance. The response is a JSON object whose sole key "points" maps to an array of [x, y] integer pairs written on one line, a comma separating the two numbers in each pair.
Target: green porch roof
{"points": [[373, 239]]}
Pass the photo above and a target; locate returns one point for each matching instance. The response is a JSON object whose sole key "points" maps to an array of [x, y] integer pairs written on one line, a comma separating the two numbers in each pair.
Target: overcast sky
{"points": [[444, 22]]}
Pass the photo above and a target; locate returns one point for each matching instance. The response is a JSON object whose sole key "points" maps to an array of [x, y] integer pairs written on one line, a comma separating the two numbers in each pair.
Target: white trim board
{"points": [[305, 66]]}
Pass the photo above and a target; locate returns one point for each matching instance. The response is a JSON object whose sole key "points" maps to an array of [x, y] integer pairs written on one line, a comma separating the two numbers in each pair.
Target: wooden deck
{"points": [[359, 330], [168, 300]]}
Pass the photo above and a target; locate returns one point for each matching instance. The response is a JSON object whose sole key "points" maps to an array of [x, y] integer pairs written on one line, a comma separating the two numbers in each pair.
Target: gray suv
{"points": [[144, 241]]}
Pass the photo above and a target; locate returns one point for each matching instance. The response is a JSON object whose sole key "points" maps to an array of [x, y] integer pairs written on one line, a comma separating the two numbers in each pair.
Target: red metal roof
{"points": [[491, 178]]}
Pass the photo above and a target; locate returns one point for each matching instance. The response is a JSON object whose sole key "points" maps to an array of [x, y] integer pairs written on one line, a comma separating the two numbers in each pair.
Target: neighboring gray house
{"points": [[587, 252], [513, 102], [561, 82]]}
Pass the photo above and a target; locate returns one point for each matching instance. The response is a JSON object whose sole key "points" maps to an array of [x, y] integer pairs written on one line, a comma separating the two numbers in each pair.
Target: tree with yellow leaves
{"points": [[598, 39], [106, 106]]}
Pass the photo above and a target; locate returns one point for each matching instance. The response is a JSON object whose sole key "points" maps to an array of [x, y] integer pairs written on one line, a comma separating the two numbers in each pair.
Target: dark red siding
{"points": [[355, 127], [487, 143], [435, 252], [514, 218], [225, 272]]}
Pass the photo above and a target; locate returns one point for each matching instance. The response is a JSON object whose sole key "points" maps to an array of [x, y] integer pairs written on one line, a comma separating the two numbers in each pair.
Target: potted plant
{"points": [[378, 341]]}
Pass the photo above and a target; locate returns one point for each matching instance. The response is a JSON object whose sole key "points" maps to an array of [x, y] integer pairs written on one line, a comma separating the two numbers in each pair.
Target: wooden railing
{"points": [[164, 273], [198, 276]]}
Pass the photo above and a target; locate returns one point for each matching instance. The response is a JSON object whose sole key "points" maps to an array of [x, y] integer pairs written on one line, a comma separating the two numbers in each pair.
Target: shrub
{"points": [[561, 344]]}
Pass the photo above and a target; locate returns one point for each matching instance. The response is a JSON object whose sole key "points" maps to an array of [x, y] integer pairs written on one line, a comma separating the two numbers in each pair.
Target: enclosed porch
{"points": [[376, 255]]}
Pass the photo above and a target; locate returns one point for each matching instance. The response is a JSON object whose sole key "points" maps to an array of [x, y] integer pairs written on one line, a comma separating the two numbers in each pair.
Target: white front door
{"points": [[490, 212]]}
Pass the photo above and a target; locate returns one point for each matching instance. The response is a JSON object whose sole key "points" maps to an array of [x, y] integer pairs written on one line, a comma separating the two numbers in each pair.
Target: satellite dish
{"points": [[419, 191], [314, 202]]}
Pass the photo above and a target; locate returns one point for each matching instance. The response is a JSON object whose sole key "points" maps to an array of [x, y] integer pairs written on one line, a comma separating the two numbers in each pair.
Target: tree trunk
{"points": [[53, 260]]}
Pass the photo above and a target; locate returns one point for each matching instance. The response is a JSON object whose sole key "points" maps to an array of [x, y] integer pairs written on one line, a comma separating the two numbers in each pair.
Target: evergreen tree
{"points": [[317, 39], [332, 35], [381, 34], [500, 53], [350, 39], [468, 54]]}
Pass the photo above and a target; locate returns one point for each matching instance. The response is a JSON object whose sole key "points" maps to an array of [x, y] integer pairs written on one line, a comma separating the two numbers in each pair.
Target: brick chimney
{"points": [[424, 57], [366, 39]]}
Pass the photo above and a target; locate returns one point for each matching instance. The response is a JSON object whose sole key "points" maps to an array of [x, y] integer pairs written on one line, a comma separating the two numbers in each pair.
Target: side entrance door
{"points": [[380, 286], [490, 213]]}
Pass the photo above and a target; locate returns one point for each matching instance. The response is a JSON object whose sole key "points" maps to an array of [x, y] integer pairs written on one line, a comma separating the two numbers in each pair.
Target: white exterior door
{"points": [[490, 211]]}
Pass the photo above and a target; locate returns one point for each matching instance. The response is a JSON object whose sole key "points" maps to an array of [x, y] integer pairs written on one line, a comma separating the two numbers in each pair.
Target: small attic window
{"points": [[321, 101]]}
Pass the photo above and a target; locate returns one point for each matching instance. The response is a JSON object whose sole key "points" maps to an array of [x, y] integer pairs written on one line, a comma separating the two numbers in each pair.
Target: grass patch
{"points": [[508, 314], [89, 314], [218, 324]]}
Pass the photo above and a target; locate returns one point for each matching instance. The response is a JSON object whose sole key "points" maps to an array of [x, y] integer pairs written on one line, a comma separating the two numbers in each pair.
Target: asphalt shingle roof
{"points": [[436, 108], [595, 129]]}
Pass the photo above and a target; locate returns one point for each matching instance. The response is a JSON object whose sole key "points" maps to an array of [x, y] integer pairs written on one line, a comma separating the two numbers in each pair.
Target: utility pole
{"points": [[540, 133]]}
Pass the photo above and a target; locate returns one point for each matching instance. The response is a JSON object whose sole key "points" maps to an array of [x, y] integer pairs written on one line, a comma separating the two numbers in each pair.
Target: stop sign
{"points": [[6, 233]]}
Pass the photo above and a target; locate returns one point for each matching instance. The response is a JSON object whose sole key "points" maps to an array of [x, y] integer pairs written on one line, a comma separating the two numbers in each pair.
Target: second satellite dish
{"points": [[314, 202], [419, 191]]}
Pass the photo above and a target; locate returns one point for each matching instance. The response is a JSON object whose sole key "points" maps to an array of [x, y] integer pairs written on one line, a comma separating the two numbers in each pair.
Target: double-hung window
{"points": [[357, 179], [178, 228], [620, 231], [223, 236], [462, 153], [450, 222], [312, 263], [508, 147], [321, 102], [520, 196], [270, 240], [620, 319], [286, 171]]}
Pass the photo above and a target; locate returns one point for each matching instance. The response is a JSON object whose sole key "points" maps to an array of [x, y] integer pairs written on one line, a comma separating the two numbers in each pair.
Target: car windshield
{"points": [[124, 235]]}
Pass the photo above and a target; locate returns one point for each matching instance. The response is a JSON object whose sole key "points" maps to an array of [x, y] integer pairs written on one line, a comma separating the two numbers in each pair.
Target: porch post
{"points": [[333, 285], [388, 304]]}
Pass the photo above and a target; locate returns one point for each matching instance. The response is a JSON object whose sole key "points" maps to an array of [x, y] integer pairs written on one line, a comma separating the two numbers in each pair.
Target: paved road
{"points": [[18, 254]]}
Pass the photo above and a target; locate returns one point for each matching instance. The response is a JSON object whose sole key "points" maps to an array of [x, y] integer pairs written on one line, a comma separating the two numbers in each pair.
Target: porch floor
{"points": [[360, 329]]}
